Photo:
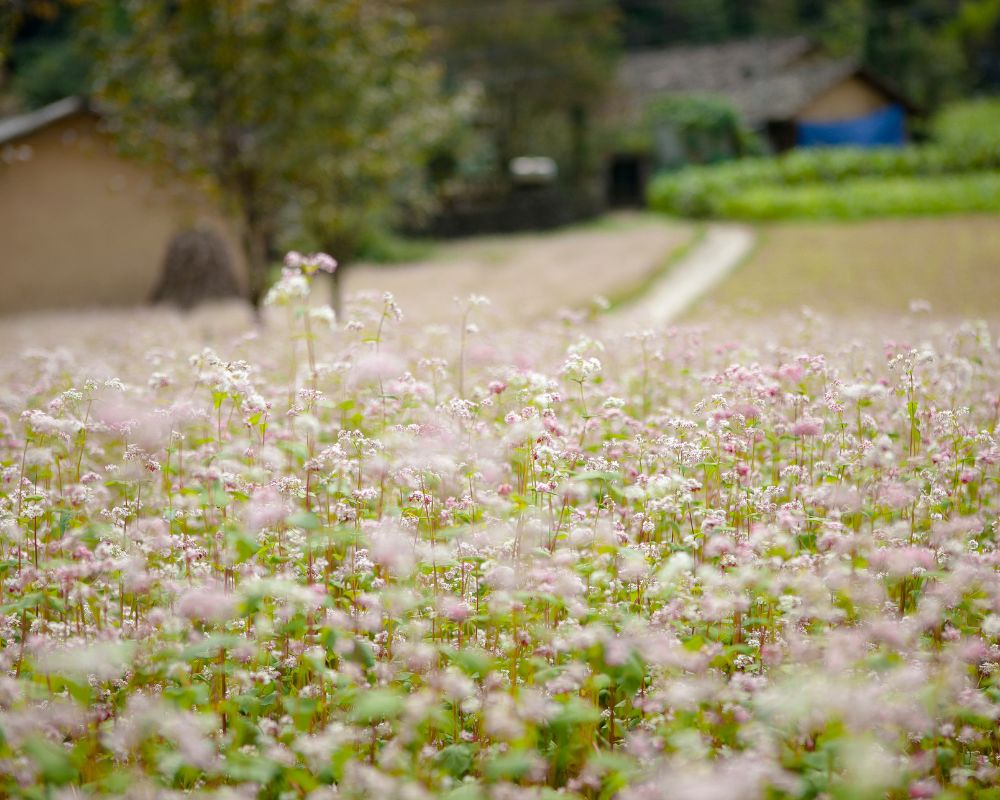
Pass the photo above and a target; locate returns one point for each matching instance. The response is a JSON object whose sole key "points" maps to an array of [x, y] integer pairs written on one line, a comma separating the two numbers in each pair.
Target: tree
{"points": [[656, 23], [978, 29], [543, 67], [911, 41], [302, 114], [40, 46]]}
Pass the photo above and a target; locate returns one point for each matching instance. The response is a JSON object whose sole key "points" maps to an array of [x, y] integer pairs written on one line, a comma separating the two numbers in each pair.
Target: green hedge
{"points": [[861, 198], [704, 191]]}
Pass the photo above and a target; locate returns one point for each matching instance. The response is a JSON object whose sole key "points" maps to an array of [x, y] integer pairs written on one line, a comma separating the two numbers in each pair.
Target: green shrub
{"points": [[702, 191], [969, 124], [861, 198], [702, 129], [50, 70]]}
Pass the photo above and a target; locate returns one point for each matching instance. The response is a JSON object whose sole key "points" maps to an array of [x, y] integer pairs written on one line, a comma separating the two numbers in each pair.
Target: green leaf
{"points": [[242, 542], [630, 674], [296, 449], [467, 791], [53, 761], [300, 708], [574, 713], [512, 766], [209, 646], [247, 704], [305, 520], [117, 783], [456, 759], [362, 654], [473, 661], [376, 705], [597, 475], [244, 769]]}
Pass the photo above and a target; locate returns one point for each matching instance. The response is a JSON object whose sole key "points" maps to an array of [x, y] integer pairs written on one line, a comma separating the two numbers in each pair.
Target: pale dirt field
{"points": [[868, 268], [97, 331], [527, 276]]}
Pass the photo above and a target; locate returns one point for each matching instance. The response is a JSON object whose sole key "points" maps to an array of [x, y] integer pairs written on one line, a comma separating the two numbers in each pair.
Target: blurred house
{"points": [[82, 226], [787, 90]]}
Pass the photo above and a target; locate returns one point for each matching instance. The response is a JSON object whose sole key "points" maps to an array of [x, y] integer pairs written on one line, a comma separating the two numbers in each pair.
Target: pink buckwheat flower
{"points": [[206, 604], [810, 426]]}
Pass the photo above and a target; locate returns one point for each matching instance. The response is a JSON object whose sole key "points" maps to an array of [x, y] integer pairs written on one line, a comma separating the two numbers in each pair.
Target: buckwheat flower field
{"points": [[355, 559]]}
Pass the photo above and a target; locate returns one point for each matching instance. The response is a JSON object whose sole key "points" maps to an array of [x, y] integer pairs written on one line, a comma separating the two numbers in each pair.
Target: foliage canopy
{"points": [[543, 69], [310, 118]]}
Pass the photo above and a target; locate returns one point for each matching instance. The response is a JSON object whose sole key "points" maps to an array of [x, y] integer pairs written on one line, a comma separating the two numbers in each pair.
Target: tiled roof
{"points": [[782, 95], [709, 68], [765, 79], [13, 128]]}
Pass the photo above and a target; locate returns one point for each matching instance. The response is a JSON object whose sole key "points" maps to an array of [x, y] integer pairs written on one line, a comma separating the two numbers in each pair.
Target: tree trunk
{"points": [[578, 131], [256, 243], [337, 291], [505, 136]]}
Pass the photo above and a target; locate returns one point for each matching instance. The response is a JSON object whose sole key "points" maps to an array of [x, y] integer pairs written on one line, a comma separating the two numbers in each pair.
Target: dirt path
{"points": [[527, 276], [721, 249]]}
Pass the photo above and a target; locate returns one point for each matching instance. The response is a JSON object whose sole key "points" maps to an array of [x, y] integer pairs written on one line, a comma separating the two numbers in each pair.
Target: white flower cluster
{"points": [[579, 368]]}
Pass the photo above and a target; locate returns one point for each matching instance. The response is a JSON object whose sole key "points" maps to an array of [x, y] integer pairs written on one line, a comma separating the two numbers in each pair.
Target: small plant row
{"points": [[707, 191], [865, 198]]}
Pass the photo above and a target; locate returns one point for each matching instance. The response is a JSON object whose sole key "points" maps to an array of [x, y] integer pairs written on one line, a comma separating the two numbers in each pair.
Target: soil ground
{"points": [[721, 250], [865, 268], [527, 276]]}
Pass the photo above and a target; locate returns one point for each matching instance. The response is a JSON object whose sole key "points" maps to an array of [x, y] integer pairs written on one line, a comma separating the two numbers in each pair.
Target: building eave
{"points": [[22, 125]]}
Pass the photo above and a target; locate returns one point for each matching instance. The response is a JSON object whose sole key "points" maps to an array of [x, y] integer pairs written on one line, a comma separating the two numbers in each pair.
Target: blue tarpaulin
{"points": [[887, 126]]}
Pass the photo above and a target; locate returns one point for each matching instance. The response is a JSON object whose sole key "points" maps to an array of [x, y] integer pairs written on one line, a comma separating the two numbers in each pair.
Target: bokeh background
{"points": [[539, 151]]}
